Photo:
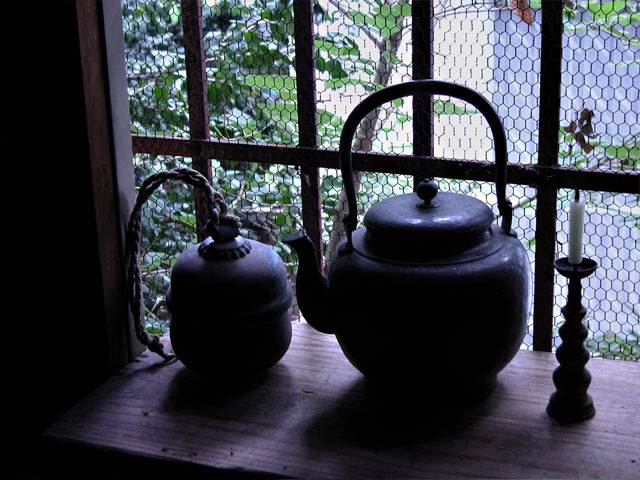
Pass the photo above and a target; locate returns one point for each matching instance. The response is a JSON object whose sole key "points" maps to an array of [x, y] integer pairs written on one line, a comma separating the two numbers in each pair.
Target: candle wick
{"points": [[577, 195]]}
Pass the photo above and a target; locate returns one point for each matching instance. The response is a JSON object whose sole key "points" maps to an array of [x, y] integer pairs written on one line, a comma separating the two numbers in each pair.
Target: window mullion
{"points": [[549, 125], [422, 65], [198, 101], [307, 118]]}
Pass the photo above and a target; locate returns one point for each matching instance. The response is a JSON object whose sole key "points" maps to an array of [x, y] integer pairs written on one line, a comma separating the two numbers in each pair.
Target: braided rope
{"points": [[218, 215]]}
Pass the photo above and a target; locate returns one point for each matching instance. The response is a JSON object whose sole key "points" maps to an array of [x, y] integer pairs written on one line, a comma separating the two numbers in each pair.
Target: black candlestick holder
{"points": [[571, 402]]}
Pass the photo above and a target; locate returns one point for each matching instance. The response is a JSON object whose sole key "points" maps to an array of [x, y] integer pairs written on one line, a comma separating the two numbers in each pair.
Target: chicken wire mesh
{"points": [[154, 54], [600, 110], [601, 85], [611, 294], [490, 46], [168, 229]]}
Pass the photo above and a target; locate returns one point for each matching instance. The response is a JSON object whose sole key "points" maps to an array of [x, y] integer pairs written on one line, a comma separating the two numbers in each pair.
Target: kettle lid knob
{"points": [[427, 189], [224, 243]]}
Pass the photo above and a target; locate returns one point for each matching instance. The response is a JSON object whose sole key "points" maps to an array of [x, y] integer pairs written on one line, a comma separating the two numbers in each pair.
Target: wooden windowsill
{"points": [[309, 418]]}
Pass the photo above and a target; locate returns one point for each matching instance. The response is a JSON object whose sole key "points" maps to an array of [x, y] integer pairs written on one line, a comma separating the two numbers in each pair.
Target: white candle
{"points": [[576, 227]]}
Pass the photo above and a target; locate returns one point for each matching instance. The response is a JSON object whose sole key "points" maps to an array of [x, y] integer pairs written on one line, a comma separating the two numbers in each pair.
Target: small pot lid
{"points": [[428, 217]]}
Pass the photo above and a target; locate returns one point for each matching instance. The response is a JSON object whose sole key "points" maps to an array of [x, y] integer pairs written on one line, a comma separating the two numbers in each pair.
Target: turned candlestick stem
{"points": [[571, 402]]}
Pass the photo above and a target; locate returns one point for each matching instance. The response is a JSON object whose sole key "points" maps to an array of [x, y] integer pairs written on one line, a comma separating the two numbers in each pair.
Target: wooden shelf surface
{"points": [[311, 417]]}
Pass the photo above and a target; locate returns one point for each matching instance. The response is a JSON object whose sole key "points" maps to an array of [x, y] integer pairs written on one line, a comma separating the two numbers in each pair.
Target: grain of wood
{"points": [[311, 416]]}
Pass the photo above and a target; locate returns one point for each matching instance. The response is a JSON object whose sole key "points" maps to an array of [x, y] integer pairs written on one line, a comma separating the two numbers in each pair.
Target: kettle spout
{"points": [[312, 288]]}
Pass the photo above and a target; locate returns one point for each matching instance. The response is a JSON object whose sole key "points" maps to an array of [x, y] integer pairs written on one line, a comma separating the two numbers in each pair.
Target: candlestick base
{"points": [[571, 402], [570, 410]]}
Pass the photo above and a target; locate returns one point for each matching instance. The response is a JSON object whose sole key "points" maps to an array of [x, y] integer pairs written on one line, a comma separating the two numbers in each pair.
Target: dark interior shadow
{"points": [[194, 390], [369, 417]]}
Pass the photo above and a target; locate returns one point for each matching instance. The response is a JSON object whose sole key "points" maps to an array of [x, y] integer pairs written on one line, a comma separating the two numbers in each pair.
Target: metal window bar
{"points": [[198, 100], [422, 66], [549, 125], [546, 176], [307, 115]]}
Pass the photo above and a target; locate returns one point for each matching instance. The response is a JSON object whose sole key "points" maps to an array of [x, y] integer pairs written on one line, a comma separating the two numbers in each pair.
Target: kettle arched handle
{"points": [[430, 87], [218, 216]]}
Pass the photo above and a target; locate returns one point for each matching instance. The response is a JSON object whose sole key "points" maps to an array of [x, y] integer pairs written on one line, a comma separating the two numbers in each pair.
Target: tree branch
{"points": [[363, 28], [368, 127]]}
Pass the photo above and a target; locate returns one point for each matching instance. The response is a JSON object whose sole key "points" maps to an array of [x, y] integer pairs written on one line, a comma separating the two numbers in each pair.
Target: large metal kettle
{"points": [[430, 294]]}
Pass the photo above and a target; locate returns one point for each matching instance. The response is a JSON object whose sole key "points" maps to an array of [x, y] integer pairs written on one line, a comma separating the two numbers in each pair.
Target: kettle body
{"points": [[230, 308], [444, 326]]}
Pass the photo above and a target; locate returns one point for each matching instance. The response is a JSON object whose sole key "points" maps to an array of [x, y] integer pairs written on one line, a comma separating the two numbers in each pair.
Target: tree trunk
{"points": [[369, 126]]}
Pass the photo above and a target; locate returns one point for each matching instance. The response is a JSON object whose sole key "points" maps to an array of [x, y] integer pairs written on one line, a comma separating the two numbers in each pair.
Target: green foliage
{"points": [[168, 228], [619, 153], [619, 345], [382, 19], [620, 21], [266, 197], [619, 18], [616, 345], [155, 59]]}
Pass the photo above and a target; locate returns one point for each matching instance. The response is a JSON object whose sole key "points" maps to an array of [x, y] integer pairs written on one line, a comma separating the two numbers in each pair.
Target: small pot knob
{"points": [[427, 189]]}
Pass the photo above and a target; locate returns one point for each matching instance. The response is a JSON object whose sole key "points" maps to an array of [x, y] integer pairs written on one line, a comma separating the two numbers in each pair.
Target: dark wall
{"points": [[64, 352]]}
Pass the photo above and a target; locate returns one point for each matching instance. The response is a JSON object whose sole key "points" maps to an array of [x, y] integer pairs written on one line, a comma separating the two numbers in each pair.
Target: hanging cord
{"points": [[218, 215]]}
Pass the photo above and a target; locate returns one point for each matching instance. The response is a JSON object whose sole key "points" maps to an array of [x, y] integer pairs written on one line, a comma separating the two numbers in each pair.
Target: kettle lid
{"points": [[429, 218]]}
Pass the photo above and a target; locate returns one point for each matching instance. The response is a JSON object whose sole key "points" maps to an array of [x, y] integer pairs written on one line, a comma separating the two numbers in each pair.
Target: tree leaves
{"points": [[383, 19], [620, 18]]}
